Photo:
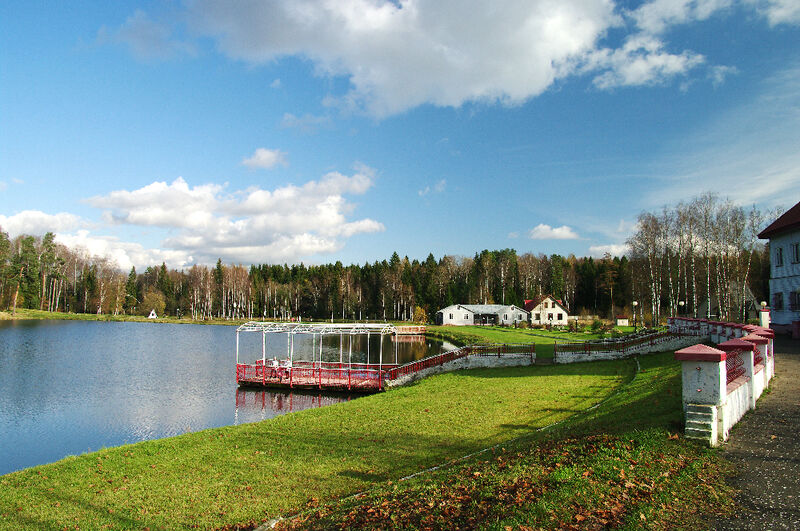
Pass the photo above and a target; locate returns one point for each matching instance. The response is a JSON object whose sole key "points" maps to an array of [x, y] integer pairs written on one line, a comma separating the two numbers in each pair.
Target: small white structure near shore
{"points": [[152, 315]]}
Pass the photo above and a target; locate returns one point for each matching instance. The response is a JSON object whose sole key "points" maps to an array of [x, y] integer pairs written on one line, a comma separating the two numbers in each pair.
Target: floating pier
{"points": [[316, 373]]}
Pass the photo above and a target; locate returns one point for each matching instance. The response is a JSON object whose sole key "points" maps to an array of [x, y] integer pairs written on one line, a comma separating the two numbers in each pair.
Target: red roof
{"points": [[530, 304], [789, 220]]}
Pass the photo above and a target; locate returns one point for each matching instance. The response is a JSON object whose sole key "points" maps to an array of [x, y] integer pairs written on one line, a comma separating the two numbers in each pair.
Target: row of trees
{"points": [[701, 258], [702, 252]]}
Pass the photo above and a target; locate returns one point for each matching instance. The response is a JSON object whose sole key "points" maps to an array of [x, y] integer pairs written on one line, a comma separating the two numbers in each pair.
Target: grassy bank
{"points": [[620, 465], [245, 474], [23, 314]]}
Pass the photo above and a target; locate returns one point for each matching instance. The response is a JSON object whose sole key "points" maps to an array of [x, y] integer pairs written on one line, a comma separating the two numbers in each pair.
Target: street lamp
{"points": [[680, 309], [635, 304]]}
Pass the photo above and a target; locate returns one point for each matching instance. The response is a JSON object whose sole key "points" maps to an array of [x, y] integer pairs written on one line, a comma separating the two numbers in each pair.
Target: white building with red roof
{"points": [[547, 310], [784, 279]]}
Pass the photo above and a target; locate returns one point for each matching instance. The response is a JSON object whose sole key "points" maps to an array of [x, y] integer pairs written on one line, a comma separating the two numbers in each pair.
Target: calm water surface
{"points": [[68, 387]]}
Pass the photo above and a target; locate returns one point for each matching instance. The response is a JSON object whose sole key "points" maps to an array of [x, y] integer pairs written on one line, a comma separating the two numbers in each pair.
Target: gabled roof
{"points": [[789, 220], [530, 304]]}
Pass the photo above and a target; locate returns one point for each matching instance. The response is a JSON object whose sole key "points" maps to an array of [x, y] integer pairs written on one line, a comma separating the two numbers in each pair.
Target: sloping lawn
{"points": [[246, 474], [620, 465]]}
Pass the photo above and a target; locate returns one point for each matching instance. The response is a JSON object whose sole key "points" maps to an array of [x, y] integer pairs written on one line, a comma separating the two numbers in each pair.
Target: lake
{"points": [[69, 387]]}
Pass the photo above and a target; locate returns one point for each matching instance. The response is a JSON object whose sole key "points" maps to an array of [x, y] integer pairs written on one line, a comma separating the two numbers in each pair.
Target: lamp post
{"points": [[681, 304], [635, 304]]}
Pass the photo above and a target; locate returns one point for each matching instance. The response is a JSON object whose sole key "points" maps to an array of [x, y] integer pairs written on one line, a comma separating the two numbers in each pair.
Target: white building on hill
{"points": [[547, 310], [481, 314]]}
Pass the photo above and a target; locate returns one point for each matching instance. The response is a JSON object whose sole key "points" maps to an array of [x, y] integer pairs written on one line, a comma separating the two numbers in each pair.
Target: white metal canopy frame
{"points": [[317, 329]]}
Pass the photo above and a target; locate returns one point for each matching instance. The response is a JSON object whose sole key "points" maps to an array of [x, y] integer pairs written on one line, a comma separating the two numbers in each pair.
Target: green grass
{"points": [[246, 474], [620, 465], [544, 339]]}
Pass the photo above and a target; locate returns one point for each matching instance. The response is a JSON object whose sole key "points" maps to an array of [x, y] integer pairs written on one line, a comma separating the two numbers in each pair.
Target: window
{"points": [[549, 316], [777, 301], [545, 305], [505, 317], [538, 317], [560, 316], [795, 247], [466, 316], [451, 316], [779, 257], [794, 301]]}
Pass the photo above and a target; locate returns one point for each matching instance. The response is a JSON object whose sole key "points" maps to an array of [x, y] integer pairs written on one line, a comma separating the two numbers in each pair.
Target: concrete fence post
{"points": [[704, 391]]}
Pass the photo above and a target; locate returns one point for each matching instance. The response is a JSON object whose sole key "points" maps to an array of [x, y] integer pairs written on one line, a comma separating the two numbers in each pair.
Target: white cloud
{"points": [[657, 16], [276, 83], [614, 249], [253, 225], [438, 188], [401, 55], [266, 158], [641, 61], [308, 123], [779, 11], [36, 222], [397, 55], [124, 254], [147, 39], [546, 232]]}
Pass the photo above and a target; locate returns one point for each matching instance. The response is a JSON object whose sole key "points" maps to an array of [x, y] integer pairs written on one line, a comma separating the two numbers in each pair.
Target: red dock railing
{"points": [[361, 377]]}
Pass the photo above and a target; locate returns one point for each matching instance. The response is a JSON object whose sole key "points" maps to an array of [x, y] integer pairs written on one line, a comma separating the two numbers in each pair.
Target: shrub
{"points": [[597, 325]]}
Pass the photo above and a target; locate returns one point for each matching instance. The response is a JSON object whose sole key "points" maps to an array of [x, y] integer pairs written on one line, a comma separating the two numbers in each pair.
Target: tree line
{"points": [[691, 253], [700, 258]]}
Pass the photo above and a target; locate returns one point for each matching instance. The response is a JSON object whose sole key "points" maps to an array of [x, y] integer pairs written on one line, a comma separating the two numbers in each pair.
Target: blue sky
{"points": [[316, 131]]}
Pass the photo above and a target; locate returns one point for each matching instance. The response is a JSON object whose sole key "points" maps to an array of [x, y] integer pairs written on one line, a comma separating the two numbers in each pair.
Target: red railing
{"points": [[758, 357], [308, 374], [452, 355], [734, 365]]}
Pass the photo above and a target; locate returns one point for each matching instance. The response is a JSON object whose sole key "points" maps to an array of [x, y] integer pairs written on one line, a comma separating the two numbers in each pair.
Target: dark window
{"points": [[794, 301], [795, 247], [779, 257], [451, 316], [777, 301], [538, 317], [560, 316], [549, 316]]}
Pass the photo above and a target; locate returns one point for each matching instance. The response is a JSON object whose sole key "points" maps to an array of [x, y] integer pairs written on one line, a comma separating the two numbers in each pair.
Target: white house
{"points": [[547, 310], [481, 314], [784, 277]]}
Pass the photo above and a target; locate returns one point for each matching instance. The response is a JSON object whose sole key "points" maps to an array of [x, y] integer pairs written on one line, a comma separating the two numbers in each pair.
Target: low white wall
{"points": [[737, 403], [673, 343], [467, 362]]}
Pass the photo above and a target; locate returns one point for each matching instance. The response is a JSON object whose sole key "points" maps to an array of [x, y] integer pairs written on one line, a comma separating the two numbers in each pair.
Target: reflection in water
{"points": [[254, 404], [68, 387]]}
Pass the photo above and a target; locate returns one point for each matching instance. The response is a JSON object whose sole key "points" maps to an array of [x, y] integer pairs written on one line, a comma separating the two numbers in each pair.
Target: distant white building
{"points": [[481, 314], [547, 310], [784, 277]]}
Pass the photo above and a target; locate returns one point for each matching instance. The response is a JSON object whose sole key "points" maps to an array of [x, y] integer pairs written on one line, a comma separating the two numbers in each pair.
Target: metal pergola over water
{"points": [[288, 366]]}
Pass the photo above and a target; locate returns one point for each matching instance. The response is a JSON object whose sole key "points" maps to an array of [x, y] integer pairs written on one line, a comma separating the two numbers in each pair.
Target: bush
{"points": [[597, 325], [153, 300]]}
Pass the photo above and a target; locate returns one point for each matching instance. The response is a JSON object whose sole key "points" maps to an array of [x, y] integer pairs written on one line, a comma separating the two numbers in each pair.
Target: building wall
{"points": [[784, 279], [545, 312], [512, 314], [458, 316]]}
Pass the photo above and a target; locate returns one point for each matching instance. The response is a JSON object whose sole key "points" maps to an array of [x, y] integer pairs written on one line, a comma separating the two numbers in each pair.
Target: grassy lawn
{"points": [[620, 465], [544, 339], [246, 474]]}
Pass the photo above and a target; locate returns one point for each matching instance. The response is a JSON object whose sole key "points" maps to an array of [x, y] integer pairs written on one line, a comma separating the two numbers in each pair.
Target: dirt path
{"points": [[765, 450]]}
